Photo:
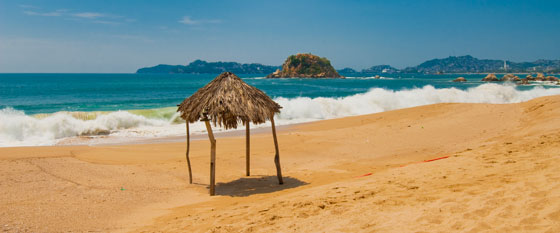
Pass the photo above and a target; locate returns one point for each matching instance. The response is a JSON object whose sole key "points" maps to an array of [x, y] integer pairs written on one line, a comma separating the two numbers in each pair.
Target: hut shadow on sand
{"points": [[248, 186]]}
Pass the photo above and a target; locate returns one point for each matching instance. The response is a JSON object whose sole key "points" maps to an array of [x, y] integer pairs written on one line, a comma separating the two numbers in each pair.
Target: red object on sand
{"points": [[425, 161], [368, 174], [430, 160]]}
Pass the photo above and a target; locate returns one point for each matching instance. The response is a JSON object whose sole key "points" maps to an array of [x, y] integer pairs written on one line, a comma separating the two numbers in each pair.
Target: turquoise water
{"points": [[46, 109], [49, 93]]}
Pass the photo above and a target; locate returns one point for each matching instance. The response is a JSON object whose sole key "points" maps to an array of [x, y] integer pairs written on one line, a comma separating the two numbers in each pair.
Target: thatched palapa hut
{"points": [[227, 101]]}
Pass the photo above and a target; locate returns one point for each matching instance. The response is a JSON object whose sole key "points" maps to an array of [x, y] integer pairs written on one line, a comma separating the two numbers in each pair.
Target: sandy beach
{"points": [[434, 168]]}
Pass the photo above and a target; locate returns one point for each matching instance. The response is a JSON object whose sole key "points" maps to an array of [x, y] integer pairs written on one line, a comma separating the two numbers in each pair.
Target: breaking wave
{"points": [[19, 129], [380, 100]]}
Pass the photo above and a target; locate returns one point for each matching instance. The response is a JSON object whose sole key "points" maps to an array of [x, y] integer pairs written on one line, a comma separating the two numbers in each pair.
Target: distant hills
{"points": [[347, 70], [372, 70], [204, 67], [452, 64], [380, 69], [469, 64]]}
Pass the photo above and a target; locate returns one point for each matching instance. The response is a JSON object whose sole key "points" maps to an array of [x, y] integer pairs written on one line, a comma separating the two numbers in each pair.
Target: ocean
{"points": [[50, 109]]}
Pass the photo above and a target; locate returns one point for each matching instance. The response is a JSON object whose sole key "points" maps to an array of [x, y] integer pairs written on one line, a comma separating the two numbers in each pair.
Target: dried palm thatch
{"points": [[228, 100]]}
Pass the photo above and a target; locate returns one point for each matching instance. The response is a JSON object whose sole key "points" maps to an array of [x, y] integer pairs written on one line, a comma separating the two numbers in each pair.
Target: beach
{"points": [[435, 168], [254, 116]]}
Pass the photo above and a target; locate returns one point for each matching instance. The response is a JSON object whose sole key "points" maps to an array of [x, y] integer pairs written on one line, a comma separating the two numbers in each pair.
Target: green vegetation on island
{"points": [[204, 67], [306, 66], [469, 64]]}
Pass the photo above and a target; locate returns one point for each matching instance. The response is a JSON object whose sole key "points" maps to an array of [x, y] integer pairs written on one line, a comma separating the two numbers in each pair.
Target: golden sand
{"points": [[355, 174]]}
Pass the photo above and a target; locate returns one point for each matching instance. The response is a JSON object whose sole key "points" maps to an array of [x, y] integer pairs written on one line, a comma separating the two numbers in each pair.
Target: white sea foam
{"points": [[18, 129], [379, 100]]}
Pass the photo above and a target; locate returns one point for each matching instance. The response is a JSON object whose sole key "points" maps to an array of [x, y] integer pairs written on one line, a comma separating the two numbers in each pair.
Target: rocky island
{"points": [[306, 66]]}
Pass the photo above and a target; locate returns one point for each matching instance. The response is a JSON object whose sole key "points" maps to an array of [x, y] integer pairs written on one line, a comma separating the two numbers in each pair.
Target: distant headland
{"points": [[449, 65], [204, 67], [469, 64]]}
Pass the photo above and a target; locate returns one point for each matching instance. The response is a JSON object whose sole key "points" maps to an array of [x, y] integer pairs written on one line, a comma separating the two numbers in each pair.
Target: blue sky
{"points": [[121, 36]]}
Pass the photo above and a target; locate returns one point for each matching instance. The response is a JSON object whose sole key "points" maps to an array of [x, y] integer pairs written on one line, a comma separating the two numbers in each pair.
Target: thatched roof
{"points": [[228, 100]]}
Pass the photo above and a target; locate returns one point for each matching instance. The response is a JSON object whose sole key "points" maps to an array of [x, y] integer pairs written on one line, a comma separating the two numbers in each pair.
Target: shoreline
{"points": [[198, 136], [358, 173], [145, 128]]}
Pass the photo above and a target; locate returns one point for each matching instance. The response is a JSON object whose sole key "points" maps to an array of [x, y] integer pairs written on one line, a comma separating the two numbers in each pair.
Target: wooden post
{"points": [[212, 158], [187, 154], [277, 156], [248, 150]]}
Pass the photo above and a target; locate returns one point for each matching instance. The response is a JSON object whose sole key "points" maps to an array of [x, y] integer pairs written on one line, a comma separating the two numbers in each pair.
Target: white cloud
{"points": [[189, 21], [51, 14], [92, 17], [89, 15]]}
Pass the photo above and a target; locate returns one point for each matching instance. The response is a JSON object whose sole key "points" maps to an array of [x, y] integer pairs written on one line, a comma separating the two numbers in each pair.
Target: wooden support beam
{"points": [[248, 149], [212, 158], [277, 156], [187, 154]]}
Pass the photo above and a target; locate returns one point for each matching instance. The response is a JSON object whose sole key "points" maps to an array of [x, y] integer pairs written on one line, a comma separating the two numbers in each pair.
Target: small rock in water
{"points": [[510, 77], [460, 79], [490, 78]]}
